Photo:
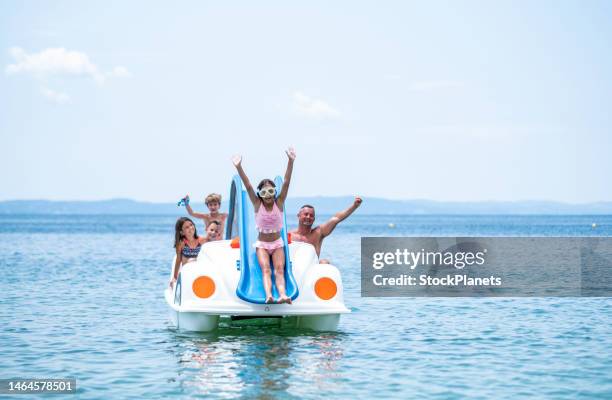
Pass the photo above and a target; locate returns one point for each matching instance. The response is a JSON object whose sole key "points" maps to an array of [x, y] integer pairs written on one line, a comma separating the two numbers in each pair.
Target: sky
{"points": [[440, 100]]}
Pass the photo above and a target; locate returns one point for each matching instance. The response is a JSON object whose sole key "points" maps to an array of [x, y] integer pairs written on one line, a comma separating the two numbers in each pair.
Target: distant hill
{"points": [[324, 205]]}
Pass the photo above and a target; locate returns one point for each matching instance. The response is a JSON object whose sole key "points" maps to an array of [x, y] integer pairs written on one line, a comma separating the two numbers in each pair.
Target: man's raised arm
{"points": [[330, 225]]}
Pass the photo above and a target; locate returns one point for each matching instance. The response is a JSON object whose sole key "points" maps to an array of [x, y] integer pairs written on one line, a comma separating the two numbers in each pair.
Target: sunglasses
{"points": [[267, 191]]}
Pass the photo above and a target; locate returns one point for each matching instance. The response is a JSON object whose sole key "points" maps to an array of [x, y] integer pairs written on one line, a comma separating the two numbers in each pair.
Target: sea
{"points": [[81, 297]]}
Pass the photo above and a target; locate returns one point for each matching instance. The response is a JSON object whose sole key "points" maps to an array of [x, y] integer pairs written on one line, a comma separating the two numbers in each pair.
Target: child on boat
{"points": [[269, 221], [213, 231], [188, 244], [213, 202]]}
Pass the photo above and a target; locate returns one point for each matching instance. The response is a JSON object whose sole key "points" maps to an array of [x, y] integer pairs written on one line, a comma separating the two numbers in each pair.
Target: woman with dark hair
{"points": [[188, 244], [269, 221]]}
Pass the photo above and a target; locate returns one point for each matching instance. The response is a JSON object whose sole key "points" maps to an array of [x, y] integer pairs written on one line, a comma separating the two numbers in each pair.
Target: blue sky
{"points": [[458, 100]]}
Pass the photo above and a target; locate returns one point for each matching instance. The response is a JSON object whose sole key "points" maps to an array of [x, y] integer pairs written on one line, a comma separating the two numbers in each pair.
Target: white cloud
{"points": [[313, 108], [56, 97], [56, 63], [434, 85], [53, 61], [120, 72], [59, 61]]}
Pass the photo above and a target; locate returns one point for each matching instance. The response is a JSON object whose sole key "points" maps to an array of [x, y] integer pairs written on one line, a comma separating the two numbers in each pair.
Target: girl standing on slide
{"points": [[269, 221]]}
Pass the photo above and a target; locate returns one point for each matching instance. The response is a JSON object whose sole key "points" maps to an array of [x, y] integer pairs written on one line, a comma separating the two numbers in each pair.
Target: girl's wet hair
{"points": [[178, 235], [263, 183]]}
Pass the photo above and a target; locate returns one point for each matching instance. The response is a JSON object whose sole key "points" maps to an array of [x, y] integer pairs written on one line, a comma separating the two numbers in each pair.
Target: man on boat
{"points": [[306, 218]]}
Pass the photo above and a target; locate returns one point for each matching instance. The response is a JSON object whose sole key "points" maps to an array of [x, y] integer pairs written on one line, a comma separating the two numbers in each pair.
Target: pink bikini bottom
{"points": [[270, 246]]}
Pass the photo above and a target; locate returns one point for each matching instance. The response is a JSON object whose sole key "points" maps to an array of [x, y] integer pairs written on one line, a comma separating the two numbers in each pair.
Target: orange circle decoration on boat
{"points": [[203, 287], [325, 288], [235, 243]]}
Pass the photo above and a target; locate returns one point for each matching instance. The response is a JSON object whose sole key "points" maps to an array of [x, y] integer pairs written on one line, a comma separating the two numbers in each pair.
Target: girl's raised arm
{"points": [[283, 194], [237, 160]]}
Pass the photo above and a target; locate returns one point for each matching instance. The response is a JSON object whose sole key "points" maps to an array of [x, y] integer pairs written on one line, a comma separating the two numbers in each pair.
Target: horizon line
{"points": [[324, 197]]}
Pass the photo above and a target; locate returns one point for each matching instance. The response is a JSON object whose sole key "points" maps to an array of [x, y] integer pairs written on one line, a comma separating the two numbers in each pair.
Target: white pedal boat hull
{"points": [[219, 263]]}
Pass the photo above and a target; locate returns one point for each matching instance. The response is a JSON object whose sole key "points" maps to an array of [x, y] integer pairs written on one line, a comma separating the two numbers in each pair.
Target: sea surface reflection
{"points": [[259, 362]]}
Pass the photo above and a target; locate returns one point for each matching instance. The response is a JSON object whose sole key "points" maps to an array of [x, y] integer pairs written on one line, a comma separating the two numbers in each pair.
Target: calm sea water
{"points": [[81, 296]]}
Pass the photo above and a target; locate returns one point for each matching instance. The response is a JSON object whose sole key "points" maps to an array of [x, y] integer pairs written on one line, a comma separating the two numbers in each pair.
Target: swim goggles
{"points": [[270, 191]]}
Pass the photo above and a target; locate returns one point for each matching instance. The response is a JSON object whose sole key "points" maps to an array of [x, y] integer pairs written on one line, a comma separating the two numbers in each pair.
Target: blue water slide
{"points": [[242, 218]]}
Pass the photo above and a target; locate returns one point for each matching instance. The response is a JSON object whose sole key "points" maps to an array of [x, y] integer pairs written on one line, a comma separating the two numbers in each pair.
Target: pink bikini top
{"points": [[269, 222]]}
